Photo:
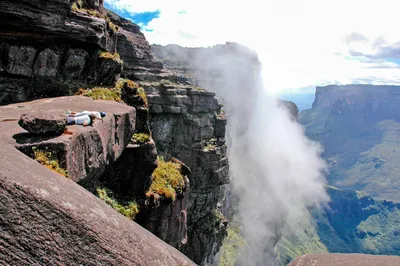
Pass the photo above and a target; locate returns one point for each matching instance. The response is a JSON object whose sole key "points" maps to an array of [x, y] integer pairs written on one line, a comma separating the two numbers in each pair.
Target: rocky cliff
{"points": [[61, 48], [357, 126], [47, 218]]}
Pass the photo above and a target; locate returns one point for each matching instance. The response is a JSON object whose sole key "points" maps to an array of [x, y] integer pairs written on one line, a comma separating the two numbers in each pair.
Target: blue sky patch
{"points": [[138, 18]]}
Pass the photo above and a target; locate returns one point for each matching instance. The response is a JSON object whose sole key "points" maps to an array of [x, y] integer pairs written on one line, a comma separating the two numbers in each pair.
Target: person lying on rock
{"points": [[84, 120], [98, 115]]}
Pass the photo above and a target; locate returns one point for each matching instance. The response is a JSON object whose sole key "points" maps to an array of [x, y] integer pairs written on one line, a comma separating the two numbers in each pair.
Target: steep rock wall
{"points": [[186, 125]]}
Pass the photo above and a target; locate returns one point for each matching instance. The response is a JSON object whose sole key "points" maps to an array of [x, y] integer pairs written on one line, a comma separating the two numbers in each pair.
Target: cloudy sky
{"points": [[300, 43]]}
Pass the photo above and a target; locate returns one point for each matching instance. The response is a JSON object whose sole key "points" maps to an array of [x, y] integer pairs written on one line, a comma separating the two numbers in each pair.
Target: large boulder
{"points": [[44, 122]]}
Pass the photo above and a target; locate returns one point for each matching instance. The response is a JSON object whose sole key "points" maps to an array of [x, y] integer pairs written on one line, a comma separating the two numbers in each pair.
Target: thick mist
{"points": [[275, 170]]}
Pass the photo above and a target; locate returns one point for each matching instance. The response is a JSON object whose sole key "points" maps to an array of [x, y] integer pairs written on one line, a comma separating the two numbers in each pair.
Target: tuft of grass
{"points": [[167, 181], [166, 82], [129, 210], [142, 94], [133, 85], [111, 25], [199, 89], [221, 113], [211, 145], [77, 8], [49, 160], [100, 93], [115, 56], [140, 138], [121, 82]]}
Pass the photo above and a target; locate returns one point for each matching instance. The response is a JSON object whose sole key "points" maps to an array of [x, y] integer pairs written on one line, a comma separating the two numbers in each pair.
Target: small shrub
{"points": [[120, 84], [167, 180], [129, 210], [111, 25], [108, 55], [221, 113], [100, 93], [74, 7], [140, 138], [211, 145], [166, 82], [142, 94], [199, 89], [50, 161]]}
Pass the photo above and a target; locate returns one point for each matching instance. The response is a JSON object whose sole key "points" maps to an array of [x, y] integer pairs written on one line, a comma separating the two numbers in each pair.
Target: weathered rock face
{"points": [[132, 46], [130, 176], [89, 150], [167, 219], [43, 122], [371, 100], [345, 260], [52, 50], [47, 219], [185, 124]]}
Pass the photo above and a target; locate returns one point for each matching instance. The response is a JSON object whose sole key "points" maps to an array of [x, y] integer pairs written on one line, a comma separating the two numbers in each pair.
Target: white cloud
{"points": [[297, 41]]}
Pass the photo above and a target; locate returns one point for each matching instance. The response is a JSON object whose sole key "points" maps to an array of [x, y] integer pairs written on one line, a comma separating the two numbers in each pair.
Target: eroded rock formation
{"points": [[187, 124], [49, 219]]}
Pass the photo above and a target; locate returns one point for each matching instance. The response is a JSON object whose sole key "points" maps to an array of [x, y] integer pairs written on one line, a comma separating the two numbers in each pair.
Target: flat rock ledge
{"points": [[86, 151], [46, 218]]}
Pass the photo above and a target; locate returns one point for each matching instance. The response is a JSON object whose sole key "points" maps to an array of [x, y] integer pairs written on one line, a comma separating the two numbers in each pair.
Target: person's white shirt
{"points": [[79, 120], [93, 113]]}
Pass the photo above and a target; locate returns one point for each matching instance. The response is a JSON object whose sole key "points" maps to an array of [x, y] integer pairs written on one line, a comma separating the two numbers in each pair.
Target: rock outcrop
{"points": [[43, 122], [187, 124], [345, 260], [86, 152], [49, 219], [53, 49]]}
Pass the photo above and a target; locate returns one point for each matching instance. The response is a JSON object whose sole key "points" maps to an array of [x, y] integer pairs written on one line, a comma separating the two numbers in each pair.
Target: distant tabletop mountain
{"points": [[359, 127], [354, 222]]}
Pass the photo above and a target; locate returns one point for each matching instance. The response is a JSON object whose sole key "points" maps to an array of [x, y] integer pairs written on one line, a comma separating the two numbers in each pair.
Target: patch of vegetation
{"points": [[221, 113], [133, 85], [115, 56], [231, 247], [130, 210], [49, 160], [140, 138], [77, 7], [142, 94], [361, 148], [100, 93], [167, 180], [166, 82], [121, 82], [211, 145], [114, 28], [353, 223], [199, 89]]}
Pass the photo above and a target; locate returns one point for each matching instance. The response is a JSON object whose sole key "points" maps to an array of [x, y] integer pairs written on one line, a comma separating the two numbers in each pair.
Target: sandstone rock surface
{"points": [[43, 122], [46, 218], [86, 152]]}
